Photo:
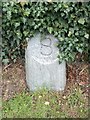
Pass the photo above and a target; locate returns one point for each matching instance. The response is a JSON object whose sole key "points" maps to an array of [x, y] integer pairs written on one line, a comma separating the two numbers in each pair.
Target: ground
{"points": [[72, 102]]}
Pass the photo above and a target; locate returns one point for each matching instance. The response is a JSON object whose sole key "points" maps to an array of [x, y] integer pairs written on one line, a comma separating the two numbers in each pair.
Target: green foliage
{"points": [[75, 98], [37, 105], [46, 104], [67, 21]]}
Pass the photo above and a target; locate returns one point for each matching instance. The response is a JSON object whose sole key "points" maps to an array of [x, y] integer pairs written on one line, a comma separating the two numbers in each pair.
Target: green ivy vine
{"points": [[69, 22]]}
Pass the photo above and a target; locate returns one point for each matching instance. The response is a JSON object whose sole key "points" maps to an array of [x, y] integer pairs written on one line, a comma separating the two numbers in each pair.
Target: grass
{"points": [[46, 104]]}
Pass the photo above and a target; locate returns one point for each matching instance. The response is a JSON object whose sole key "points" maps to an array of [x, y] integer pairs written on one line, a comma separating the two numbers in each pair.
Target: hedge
{"points": [[69, 22]]}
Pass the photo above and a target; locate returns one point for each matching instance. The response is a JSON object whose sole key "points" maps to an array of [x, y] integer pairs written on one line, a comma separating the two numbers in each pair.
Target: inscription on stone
{"points": [[46, 48], [42, 66]]}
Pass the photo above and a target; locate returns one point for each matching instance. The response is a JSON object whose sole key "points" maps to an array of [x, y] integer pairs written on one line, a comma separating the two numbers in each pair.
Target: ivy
{"points": [[69, 22]]}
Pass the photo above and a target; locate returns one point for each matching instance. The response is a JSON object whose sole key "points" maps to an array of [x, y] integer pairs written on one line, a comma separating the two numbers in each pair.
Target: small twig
{"points": [[83, 70], [23, 44], [7, 66], [16, 48], [70, 66]]}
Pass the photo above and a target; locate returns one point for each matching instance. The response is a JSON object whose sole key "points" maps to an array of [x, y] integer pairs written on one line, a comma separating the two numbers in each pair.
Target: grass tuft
{"points": [[46, 104]]}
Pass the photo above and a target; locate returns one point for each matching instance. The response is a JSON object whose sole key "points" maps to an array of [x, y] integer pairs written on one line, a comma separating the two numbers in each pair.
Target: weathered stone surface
{"points": [[42, 67]]}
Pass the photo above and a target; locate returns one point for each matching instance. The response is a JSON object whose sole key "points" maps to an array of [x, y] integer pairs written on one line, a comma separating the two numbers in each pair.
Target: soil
{"points": [[13, 78]]}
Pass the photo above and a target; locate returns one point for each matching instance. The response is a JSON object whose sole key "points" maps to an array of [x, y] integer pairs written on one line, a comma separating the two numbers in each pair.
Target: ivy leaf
{"points": [[5, 61], [8, 15], [86, 36], [27, 12], [69, 34], [23, 2], [24, 20], [61, 39], [17, 24], [81, 21], [50, 29], [79, 49], [49, 0]]}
